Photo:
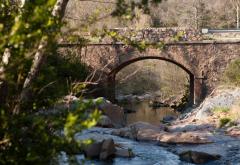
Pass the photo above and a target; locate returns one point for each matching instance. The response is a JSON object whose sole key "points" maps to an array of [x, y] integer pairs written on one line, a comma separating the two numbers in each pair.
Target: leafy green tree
{"points": [[29, 31]]}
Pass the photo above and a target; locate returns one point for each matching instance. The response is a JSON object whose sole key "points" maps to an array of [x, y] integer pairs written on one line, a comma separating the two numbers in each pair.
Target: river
{"points": [[145, 153], [141, 111]]}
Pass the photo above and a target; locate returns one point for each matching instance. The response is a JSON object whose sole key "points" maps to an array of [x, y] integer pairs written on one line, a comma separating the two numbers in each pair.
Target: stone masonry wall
{"points": [[153, 35]]}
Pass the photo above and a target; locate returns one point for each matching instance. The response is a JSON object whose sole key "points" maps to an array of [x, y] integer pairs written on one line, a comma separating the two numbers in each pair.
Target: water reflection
{"points": [[143, 112]]}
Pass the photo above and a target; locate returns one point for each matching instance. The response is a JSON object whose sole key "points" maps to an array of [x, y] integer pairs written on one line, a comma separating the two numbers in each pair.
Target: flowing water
{"points": [[145, 153]]}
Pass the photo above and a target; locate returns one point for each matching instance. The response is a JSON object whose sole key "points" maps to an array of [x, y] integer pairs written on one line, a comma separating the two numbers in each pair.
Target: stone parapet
{"points": [[154, 35]]}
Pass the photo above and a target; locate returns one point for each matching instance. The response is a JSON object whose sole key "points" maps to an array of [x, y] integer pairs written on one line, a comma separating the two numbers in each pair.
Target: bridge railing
{"points": [[221, 34]]}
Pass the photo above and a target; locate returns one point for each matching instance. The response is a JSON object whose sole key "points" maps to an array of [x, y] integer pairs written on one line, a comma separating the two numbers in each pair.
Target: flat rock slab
{"points": [[186, 138], [187, 127], [147, 132], [114, 112]]}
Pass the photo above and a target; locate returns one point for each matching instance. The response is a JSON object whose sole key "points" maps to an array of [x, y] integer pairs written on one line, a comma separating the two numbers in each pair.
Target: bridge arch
{"points": [[114, 71]]}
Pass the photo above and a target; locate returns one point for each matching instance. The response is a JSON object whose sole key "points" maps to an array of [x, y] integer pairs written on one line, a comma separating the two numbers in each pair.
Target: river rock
{"points": [[157, 104], [138, 131], [107, 150], [114, 112], [185, 138], [146, 132], [124, 132], [93, 150], [234, 131], [198, 157], [105, 122], [168, 119], [143, 125], [124, 153], [189, 127]]}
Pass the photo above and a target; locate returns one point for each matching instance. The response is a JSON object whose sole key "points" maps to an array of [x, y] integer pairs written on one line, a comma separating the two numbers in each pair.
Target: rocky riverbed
{"points": [[208, 134]]}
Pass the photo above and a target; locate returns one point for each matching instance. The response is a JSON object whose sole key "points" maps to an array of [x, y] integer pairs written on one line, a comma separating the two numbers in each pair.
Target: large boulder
{"points": [[124, 132], [190, 127], [105, 122], [139, 131], [168, 119], [127, 153], [107, 150], [185, 138], [234, 131], [144, 131], [101, 150], [93, 150], [198, 157], [114, 112]]}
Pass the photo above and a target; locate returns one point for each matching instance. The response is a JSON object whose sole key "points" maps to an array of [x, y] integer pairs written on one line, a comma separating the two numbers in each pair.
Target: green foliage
{"points": [[224, 121], [27, 139], [22, 31], [178, 36], [126, 39], [55, 78], [232, 73], [30, 138], [76, 123], [221, 109]]}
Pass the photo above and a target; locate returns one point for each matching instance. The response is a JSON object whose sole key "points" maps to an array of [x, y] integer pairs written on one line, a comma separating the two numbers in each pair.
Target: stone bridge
{"points": [[204, 54]]}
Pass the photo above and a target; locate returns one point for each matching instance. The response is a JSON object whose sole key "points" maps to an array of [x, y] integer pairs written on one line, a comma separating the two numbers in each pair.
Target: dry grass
{"points": [[227, 115], [235, 111]]}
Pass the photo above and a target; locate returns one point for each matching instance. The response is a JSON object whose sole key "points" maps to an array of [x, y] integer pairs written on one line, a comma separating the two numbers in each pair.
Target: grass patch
{"points": [[227, 116], [221, 109], [232, 74]]}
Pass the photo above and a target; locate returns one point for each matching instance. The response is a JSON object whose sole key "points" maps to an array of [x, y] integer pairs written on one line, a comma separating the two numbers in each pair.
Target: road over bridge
{"points": [[204, 54]]}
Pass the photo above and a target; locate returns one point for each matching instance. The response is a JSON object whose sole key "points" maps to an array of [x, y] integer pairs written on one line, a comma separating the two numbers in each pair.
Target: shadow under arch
{"points": [[112, 76]]}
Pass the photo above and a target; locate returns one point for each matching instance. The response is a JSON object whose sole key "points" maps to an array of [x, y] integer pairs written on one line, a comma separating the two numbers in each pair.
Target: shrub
{"points": [[28, 137], [232, 73], [224, 121]]}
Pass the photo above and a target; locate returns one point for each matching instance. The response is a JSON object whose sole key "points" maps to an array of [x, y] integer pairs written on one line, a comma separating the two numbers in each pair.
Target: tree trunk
{"points": [[3, 83], [5, 60], [58, 12]]}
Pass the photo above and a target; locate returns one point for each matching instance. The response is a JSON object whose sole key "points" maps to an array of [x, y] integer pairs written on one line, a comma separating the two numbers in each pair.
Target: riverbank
{"points": [[208, 134], [213, 128]]}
